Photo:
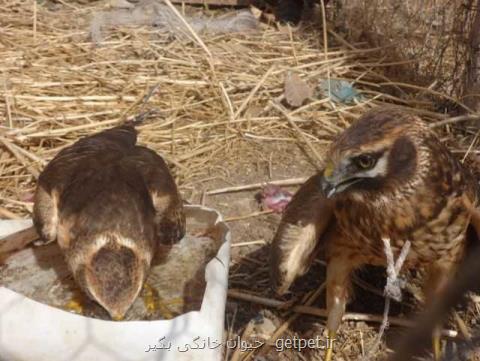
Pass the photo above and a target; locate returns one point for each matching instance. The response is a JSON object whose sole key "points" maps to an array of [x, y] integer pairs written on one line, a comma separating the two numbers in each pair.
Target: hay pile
{"points": [[432, 38], [210, 100], [56, 87]]}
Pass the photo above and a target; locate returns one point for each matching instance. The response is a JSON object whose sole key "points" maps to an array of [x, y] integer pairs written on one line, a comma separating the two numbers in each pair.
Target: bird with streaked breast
{"points": [[386, 176], [110, 204]]}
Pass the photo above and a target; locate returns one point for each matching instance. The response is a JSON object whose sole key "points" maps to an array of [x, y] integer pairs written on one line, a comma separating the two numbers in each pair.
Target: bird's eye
{"points": [[365, 161]]}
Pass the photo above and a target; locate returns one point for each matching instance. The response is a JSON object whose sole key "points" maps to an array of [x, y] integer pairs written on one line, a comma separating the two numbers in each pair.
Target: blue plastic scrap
{"points": [[340, 91]]}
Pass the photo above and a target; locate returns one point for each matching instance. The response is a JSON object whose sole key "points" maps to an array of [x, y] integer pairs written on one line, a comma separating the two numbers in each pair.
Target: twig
{"points": [[467, 153], [325, 41], [190, 29], [248, 187], [320, 312], [12, 148], [251, 243], [462, 326], [7, 101], [460, 118], [253, 92], [18, 240], [254, 214], [237, 355], [299, 132], [308, 301], [7, 214], [34, 20]]}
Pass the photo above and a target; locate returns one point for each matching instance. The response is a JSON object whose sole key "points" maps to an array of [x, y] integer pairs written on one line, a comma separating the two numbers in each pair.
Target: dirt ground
{"points": [[266, 161], [215, 125]]}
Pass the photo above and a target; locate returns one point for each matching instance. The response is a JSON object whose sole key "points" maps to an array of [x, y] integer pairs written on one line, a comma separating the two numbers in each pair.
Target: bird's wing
{"points": [[474, 208], [303, 227], [169, 214], [87, 154]]}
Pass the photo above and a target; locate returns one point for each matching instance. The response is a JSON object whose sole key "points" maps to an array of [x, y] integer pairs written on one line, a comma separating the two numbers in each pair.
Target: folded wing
{"points": [[302, 230]]}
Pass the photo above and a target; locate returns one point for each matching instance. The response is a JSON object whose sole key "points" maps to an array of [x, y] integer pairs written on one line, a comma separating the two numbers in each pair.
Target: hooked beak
{"points": [[336, 180], [328, 188]]}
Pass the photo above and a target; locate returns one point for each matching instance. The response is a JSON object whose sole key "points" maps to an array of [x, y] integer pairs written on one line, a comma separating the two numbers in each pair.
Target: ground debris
{"points": [[156, 13]]}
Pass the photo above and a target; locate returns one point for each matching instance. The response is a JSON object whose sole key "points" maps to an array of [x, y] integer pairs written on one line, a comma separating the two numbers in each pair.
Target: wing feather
{"points": [[170, 217], [302, 228]]}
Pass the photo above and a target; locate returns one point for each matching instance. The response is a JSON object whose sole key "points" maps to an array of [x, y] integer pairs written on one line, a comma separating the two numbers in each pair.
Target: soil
{"points": [[262, 162]]}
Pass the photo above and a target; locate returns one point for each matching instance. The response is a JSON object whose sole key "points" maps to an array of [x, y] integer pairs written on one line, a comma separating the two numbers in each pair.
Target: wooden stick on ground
{"points": [[7, 214], [249, 187], [299, 132], [13, 149], [308, 300], [18, 240], [319, 312], [251, 215]]}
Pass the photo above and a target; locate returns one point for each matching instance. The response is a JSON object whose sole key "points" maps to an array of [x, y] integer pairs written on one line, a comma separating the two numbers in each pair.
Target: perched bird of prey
{"points": [[386, 177], [109, 203]]}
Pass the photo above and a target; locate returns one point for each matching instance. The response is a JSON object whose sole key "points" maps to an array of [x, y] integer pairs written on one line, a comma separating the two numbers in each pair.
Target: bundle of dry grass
{"points": [[57, 87], [431, 37]]}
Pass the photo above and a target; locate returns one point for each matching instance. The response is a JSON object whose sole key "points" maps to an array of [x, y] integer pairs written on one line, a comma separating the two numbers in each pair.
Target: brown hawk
{"points": [[109, 203], [386, 176]]}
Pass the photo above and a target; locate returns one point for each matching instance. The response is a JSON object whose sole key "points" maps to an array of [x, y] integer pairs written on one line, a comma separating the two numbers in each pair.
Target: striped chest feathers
{"points": [[434, 225]]}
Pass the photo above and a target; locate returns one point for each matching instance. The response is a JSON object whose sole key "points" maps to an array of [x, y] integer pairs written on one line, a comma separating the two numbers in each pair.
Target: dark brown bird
{"points": [[387, 176], [109, 203]]}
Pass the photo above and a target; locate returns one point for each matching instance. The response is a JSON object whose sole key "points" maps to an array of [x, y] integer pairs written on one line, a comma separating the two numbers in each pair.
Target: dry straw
{"points": [[57, 87]]}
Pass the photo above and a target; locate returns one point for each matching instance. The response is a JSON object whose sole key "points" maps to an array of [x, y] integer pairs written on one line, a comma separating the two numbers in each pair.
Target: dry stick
{"points": [[142, 100], [35, 20], [18, 240], [66, 130], [253, 92], [325, 42], [251, 215], [7, 100], [248, 243], [28, 154], [194, 34], [20, 157], [467, 153], [230, 326], [299, 131], [7, 214], [319, 312], [460, 118], [228, 102], [462, 326], [308, 300], [237, 355], [433, 92], [248, 187]]}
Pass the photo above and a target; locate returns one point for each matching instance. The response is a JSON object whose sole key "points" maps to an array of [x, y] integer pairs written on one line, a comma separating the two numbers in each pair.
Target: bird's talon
{"points": [[437, 346], [330, 342], [75, 305]]}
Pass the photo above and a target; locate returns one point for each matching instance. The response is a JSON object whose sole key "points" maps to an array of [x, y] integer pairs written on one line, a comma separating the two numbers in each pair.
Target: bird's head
{"points": [[379, 150], [112, 272]]}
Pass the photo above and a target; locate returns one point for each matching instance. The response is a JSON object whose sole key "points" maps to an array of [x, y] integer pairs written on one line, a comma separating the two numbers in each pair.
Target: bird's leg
{"points": [[153, 302], [438, 278], [338, 285]]}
